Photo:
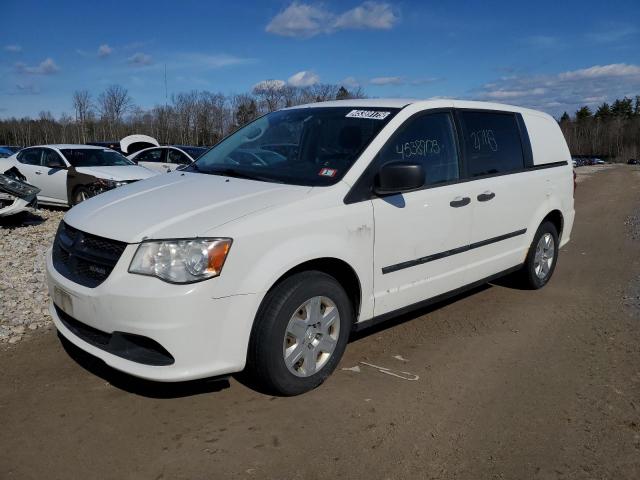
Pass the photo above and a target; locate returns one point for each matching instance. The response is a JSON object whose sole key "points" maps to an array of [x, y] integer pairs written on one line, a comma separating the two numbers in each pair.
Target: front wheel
{"points": [[300, 334], [542, 257], [80, 194]]}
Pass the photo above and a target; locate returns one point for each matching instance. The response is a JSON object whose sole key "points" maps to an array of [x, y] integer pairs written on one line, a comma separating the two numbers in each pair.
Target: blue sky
{"points": [[552, 56]]}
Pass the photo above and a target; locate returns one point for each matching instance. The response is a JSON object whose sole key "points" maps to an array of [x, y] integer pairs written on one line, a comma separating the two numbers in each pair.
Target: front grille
{"points": [[84, 258], [135, 348]]}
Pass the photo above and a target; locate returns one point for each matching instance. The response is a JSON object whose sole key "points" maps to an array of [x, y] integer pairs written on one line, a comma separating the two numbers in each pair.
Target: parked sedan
{"points": [[69, 174], [167, 159]]}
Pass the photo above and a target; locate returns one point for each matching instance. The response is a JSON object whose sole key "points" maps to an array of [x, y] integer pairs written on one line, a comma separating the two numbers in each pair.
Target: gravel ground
{"points": [[23, 291]]}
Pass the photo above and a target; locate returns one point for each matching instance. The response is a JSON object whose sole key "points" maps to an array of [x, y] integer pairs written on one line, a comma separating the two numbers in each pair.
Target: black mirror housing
{"points": [[399, 177], [56, 164]]}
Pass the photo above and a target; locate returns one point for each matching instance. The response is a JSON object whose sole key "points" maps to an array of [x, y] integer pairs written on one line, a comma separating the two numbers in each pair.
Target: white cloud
{"points": [[12, 48], [303, 79], [386, 81], [602, 71], [212, 60], [308, 20], [140, 59], [267, 85], [350, 82], [372, 15], [46, 67], [567, 90], [27, 89], [104, 50]]}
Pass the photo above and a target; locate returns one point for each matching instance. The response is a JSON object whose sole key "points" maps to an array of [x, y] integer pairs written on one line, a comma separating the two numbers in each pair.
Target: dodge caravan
{"points": [[266, 264]]}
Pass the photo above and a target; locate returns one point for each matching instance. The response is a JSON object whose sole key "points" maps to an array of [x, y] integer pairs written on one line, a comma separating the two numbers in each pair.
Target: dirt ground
{"points": [[512, 384]]}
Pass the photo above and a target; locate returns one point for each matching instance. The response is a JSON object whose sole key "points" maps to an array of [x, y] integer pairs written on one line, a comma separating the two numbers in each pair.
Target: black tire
{"points": [[80, 194], [528, 275], [266, 369]]}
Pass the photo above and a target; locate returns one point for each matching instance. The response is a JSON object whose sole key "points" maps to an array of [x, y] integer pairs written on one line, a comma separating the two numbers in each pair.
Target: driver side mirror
{"points": [[55, 163], [399, 177]]}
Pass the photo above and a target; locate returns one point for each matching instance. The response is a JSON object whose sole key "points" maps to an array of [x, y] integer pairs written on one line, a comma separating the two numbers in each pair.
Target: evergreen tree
{"points": [[565, 118], [622, 108], [604, 111], [583, 113], [343, 94]]}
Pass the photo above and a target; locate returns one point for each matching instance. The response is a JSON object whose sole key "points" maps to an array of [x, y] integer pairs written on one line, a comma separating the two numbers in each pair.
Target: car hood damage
{"points": [[16, 195], [177, 205]]}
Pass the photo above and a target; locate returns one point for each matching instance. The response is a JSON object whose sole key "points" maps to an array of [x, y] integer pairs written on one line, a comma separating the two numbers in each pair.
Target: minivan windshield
{"points": [[312, 146], [95, 157]]}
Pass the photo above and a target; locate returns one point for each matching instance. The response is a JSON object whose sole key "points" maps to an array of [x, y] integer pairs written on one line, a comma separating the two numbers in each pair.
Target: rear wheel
{"points": [[299, 335], [542, 257]]}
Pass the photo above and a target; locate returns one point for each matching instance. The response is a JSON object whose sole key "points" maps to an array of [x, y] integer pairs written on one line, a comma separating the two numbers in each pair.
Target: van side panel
{"points": [[549, 146], [547, 141]]}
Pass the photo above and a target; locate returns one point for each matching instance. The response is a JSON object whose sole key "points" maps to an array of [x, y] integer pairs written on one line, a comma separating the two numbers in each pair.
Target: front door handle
{"points": [[38, 172], [486, 196], [460, 202]]}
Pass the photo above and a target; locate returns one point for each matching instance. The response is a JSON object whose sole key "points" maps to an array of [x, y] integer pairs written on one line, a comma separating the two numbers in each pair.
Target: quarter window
{"points": [[491, 143], [428, 139], [176, 156], [31, 156]]}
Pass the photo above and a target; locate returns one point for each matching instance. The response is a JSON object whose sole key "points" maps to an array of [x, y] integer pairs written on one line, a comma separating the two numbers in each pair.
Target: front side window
{"points": [[95, 157], [31, 156], [491, 143], [427, 139], [319, 145]]}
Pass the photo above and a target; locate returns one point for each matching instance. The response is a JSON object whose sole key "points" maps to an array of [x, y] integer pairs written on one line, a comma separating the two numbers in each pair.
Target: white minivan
{"points": [[375, 207]]}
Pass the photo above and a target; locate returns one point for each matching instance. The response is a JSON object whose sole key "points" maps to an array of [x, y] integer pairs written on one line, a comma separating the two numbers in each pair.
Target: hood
{"points": [[176, 205], [119, 173]]}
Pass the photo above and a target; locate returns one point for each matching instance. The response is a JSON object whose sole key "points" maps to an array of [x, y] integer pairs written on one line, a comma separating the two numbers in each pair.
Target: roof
{"points": [[61, 146], [424, 103]]}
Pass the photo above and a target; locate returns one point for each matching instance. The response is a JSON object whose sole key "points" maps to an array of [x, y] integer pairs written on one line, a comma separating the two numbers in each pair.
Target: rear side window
{"points": [[428, 139], [491, 143], [154, 156], [31, 156]]}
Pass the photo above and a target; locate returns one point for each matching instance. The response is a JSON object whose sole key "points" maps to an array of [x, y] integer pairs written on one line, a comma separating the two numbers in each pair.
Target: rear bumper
{"points": [[199, 335], [568, 219]]}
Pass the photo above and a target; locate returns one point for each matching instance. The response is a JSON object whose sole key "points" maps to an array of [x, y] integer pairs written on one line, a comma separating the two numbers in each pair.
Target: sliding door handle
{"points": [[486, 196], [460, 202]]}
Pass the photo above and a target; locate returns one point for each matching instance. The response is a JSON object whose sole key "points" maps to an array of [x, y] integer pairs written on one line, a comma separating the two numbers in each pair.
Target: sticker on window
{"points": [[370, 114], [328, 172]]}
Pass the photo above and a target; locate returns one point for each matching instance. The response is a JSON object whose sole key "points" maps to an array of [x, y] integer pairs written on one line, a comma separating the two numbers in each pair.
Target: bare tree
{"points": [[113, 103], [83, 106]]}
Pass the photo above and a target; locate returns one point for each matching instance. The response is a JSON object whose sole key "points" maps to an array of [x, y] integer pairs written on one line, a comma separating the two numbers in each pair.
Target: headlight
{"points": [[17, 187], [181, 261], [105, 184]]}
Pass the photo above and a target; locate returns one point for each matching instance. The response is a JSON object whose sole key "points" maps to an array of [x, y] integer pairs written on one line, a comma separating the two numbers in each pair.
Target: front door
{"points": [[421, 237]]}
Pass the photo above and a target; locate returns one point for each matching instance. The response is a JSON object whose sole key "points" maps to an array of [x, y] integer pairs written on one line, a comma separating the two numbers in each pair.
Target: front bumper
{"points": [[206, 336], [11, 205]]}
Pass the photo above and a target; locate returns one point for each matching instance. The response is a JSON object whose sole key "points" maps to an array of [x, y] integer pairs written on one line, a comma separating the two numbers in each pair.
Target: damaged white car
{"points": [[16, 196], [69, 174]]}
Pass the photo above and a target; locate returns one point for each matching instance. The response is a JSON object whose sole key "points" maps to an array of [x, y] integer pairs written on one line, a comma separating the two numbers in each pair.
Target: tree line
{"points": [[190, 118], [204, 117], [612, 131]]}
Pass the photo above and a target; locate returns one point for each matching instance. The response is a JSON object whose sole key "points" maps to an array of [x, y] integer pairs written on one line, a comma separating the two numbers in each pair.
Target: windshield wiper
{"points": [[232, 172]]}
